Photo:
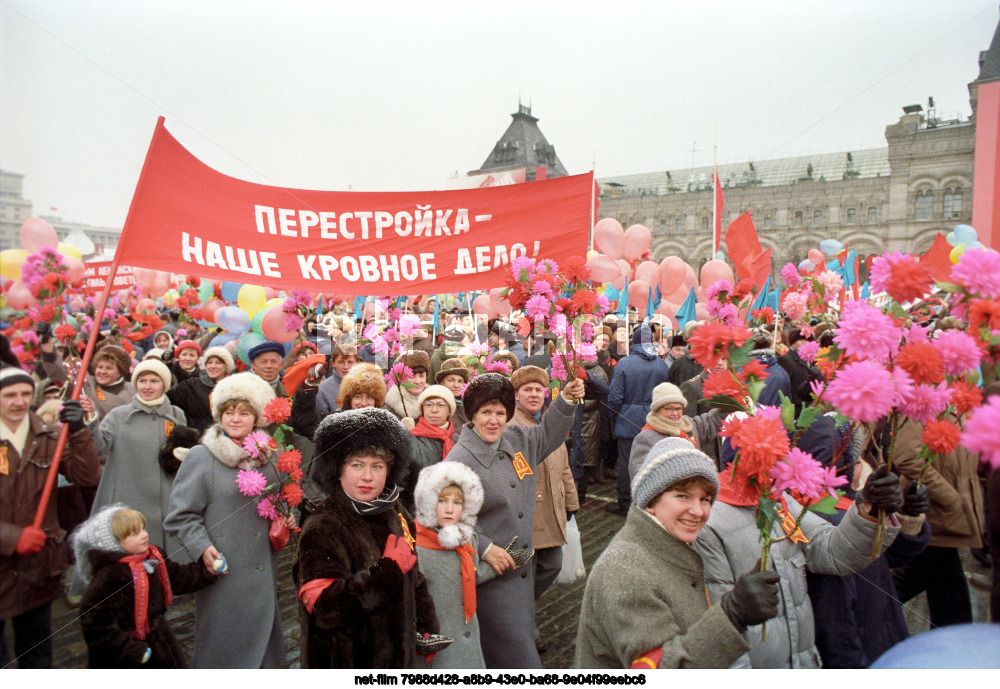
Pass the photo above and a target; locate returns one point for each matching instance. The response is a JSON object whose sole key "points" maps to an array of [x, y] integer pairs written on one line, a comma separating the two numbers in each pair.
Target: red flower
{"points": [[122, 322], [723, 383], [765, 314], [277, 410], [194, 282], [191, 295], [761, 443], [292, 494], [730, 426], [197, 314], [182, 303], [922, 361], [711, 341], [908, 280], [576, 269], [741, 291], [983, 312], [941, 436], [563, 304], [584, 301], [65, 332], [753, 369], [965, 397], [288, 461]]}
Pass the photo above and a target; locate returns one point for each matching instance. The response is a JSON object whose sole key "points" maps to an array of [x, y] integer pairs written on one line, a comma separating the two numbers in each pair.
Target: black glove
{"points": [[753, 600], [882, 491], [569, 515], [44, 332], [71, 414], [916, 501]]}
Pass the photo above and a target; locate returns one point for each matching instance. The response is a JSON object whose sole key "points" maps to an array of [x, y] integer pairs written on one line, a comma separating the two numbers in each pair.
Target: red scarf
{"points": [[690, 438], [424, 429], [140, 581], [429, 539]]}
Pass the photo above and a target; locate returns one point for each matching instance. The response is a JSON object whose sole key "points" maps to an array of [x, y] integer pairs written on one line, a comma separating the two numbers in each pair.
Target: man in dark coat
{"points": [[683, 368], [800, 373], [629, 396]]}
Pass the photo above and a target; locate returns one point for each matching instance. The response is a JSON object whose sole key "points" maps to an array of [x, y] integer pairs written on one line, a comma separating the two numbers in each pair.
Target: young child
{"points": [[129, 584], [448, 497]]}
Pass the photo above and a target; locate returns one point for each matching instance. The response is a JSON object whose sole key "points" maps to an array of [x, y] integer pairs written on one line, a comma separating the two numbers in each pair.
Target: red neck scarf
{"points": [[429, 539], [681, 434], [140, 581], [425, 429]]}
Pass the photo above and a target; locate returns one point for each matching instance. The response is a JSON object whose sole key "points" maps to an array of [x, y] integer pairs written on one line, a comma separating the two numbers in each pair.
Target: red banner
{"points": [[187, 218], [96, 276]]}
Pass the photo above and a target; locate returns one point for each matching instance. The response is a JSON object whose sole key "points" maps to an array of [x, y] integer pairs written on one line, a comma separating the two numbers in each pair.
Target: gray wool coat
{"points": [[443, 571], [730, 548], [237, 619], [131, 436], [646, 594], [506, 604], [705, 429]]}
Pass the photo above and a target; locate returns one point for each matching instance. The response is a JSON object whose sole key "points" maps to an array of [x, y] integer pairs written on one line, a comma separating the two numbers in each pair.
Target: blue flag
{"points": [[864, 290], [686, 313], [761, 300], [359, 305], [849, 268], [437, 315], [650, 305], [623, 302]]}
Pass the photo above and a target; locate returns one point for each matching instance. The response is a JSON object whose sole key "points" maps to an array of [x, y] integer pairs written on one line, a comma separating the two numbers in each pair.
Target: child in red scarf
{"points": [[129, 584]]}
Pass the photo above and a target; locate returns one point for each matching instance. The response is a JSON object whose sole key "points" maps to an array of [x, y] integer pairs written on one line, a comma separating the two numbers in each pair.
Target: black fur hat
{"points": [[351, 432], [486, 388]]}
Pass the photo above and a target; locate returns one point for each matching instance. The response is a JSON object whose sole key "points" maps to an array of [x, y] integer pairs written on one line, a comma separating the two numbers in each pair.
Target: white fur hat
{"points": [[244, 386], [432, 481], [153, 366], [223, 355], [439, 391]]}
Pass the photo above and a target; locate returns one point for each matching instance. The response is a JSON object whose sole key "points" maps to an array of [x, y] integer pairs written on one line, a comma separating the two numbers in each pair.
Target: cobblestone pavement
{"points": [[557, 610]]}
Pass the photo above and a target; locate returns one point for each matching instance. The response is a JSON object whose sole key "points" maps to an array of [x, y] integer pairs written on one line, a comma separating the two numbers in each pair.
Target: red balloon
{"points": [[690, 279], [20, 297], [602, 268], [701, 311], [210, 307], [481, 304], [608, 237], [500, 305], [36, 234], [648, 271], [272, 326], [671, 274], [679, 295], [638, 295], [619, 283], [716, 270], [637, 241], [625, 269], [269, 293], [817, 257], [76, 268]]}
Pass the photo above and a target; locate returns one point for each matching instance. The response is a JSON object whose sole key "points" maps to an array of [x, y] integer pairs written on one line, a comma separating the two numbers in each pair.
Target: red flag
{"points": [[720, 201], [938, 259], [540, 173], [743, 245], [760, 267]]}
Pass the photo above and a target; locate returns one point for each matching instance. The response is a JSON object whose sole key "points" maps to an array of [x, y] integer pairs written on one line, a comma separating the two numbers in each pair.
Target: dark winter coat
{"points": [[370, 615], [777, 380], [191, 397], [632, 387], [800, 375], [108, 619], [683, 369]]}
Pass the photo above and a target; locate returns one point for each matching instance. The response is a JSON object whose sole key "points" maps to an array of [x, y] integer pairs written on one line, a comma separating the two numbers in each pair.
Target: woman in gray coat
{"points": [[237, 620], [505, 456]]}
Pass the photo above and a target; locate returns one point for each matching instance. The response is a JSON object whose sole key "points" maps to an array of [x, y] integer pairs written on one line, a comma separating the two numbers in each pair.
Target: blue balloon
{"points": [[230, 292], [960, 646], [222, 338], [966, 234], [233, 319], [831, 247]]}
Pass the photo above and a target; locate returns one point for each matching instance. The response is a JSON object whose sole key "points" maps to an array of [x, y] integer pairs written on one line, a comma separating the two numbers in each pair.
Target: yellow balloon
{"points": [[10, 263], [69, 250], [277, 301], [251, 299], [956, 253], [592, 253], [169, 298]]}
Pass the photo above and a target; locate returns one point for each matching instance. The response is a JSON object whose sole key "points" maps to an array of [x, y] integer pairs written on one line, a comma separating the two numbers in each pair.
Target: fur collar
{"points": [[227, 451]]}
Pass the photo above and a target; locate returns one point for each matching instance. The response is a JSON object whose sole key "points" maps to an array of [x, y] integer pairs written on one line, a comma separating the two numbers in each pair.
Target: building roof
{"points": [[523, 146], [989, 60], [828, 167]]}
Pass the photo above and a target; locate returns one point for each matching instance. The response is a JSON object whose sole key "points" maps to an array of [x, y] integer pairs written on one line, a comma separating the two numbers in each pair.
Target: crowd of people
{"points": [[438, 507]]}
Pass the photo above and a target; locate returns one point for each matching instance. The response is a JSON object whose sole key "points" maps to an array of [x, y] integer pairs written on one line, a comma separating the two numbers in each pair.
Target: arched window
{"points": [[923, 205], [953, 203]]}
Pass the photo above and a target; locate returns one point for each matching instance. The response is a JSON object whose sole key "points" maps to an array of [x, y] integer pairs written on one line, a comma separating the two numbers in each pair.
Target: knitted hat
{"points": [[437, 391], [669, 461], [451, 367], [666, 393], [12, 374], [529, 374], [454, 334], [265, 347], [184, 344], [94, 534], [154, 353], [153, 366], [417, 361], [170, 344], [509, 357], [363, 378], [223, 355], [351, 432], [432, 481], [486, 388], [117, 356], [242, 386]]}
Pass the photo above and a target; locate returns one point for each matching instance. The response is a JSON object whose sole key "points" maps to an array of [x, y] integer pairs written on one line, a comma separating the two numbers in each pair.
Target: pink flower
{"points": [[924, 402], [978, 270], [257, 443], [865, 332], [730, 315], [816, 387], [267, 510], [497, 367], [916, 333], [832, 481], [587, 351], [882, 269], [799, 471], [959, 352], [399, 373], [794, 305], [523, 263], [832, 282], [862, 390], [808, 351], [408, 324], [790, 274], [768, 412], [713, 307], [558, 371], [547, 265], [981, 432], [380, 345], [602, 302], [478, 348], [720, 286], [250, 482], [902, 385], [543, 288], [293, 322], [537, 307]]}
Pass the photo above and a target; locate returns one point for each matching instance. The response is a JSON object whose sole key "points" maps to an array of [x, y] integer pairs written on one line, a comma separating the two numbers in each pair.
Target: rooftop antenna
{"points": [[694, 150]]}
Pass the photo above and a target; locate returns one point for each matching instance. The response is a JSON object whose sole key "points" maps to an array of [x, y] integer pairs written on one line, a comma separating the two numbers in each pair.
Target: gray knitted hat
{"points": [[669, 461], [95, 534]]}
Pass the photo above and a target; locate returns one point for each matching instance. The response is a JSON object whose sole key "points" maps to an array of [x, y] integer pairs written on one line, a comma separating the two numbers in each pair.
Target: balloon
{"points": [[232, 319], [716, 270], [817, 258], [648, 271], [638, 295], [158, 288], [256, 323], [247, 342], [806, 266], [221, 339], [690, 279], [602, 268], [609, 237], [145, 306], [69, 251], [272, 326], [20, 297], [831, 247], [956, 253], [10, 263], [205, 291], [210, 307], [481, 304], [671, 274], [76, 268], [501, 305], [230, 291], [701, 311], [270, 293], [36, 234], [679, 295], [619, 283], [251, 298], [636, 243], [144, 277], [276, 301], [966, 234]]}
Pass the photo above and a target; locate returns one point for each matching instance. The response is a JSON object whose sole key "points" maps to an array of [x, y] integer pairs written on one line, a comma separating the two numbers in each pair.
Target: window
{"points": [[817, 218], [705, 224], [798, 218], [852, 216], [768, 221], [679, 223], [923, 206], [952, 203], [872, 215]]}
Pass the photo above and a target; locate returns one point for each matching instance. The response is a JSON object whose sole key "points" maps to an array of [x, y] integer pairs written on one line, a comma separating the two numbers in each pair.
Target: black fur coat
{"points": [[108, 618], [369, 617]]}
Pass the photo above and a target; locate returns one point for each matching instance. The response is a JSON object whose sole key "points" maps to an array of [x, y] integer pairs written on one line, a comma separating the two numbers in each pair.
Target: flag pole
{"points": [[715, 201], [593, 197]]}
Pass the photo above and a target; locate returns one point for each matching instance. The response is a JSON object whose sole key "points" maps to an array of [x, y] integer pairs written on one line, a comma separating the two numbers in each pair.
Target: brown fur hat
{"points": [[366, 378], [117, 356], [450, 367], [417, 361], [529, 374]]}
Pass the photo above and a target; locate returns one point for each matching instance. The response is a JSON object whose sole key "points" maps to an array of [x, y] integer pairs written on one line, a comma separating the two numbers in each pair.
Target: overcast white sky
{"points": [[399, 96]]}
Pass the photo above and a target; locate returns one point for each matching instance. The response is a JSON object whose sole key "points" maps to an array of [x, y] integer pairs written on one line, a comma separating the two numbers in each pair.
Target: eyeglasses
{"points": [[671, 409], [435, 405]]}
